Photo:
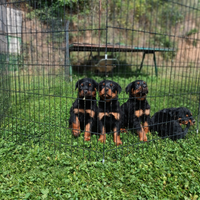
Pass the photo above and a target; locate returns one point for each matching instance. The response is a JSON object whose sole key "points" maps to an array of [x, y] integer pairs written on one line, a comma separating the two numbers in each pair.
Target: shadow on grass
{"points": [[123, 69]]}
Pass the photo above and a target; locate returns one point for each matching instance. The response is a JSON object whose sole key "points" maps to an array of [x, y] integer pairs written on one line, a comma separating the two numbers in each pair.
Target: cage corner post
{"points": [[68, 67]]}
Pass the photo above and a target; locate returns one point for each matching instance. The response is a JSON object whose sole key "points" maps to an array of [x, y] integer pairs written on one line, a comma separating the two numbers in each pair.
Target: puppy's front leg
{"points": [[142, 135], [102, 137], [147, 121], [116, 136], [87, 134], [76, 127]]}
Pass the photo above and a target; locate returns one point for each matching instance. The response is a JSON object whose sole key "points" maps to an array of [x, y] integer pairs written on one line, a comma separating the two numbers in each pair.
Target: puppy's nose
{"points": [[193, 121], [106, 89], [85, 91]]}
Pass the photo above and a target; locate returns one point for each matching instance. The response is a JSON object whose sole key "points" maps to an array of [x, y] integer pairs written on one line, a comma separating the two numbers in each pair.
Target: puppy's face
{"points": [[109, 90], [86, 88], [184, 116], [137, 89]]}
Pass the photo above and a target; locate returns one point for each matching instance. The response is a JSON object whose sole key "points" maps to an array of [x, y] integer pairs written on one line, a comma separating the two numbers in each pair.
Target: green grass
{"points": [[158, 170], [41, 160]]}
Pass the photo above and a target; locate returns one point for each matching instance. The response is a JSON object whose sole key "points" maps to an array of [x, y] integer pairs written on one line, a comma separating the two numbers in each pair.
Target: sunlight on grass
{"points": [[40, 107]]}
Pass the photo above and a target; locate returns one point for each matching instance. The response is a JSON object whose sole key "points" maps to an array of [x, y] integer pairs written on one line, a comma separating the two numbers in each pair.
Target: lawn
{"points": [[41, 160]]}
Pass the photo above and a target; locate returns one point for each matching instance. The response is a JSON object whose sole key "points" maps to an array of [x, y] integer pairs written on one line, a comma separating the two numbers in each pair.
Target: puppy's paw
{"points": [[76, 132], [123, 130], [87, 136], [119, 143], [102, 139]]}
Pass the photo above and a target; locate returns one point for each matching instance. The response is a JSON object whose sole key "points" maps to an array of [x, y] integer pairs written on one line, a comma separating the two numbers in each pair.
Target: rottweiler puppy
{"points": [[109, 111], [136, 110], [167, 122], [83, 112]]}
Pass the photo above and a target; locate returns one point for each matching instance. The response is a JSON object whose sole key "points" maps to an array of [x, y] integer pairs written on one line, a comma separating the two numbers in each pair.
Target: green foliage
{"points": [[170, 15], [55, 10], [164, 41], [192, 31], [194, 43], [158, 170], [121, 11], [75, 4]]}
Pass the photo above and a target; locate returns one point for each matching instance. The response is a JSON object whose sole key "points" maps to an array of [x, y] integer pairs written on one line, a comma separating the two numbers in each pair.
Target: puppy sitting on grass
{"points": [[136, 110], [109, 111], [84, 109]]}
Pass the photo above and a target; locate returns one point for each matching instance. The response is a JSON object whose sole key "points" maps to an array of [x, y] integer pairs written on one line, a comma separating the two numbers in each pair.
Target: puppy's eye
{"points": [[143, 81], [138, 83], [111, 84], [103, 84], [89, 84], [81, 84]]}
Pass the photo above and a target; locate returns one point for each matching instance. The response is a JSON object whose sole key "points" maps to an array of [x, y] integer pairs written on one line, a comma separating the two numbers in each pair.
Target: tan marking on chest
{"points": [[102, 114], [147, 112], [139, 113], [78, 110], [116, 115], [90, 112]]}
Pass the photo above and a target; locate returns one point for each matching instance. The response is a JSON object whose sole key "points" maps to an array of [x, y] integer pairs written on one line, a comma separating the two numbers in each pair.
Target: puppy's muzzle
{"points": [[106, 90], [144, 90], [85, 92]]}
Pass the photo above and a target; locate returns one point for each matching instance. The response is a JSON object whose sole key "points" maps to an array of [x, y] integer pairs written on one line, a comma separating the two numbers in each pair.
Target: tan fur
{"points": [[76, 128], [102, 114], [87, 132], [138, 113], [102, 137], [116, 138], [90, 112], [142, 135]]}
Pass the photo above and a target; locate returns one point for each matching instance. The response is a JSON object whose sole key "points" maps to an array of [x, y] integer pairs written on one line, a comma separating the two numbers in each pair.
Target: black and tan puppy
{"points": [[84, 109], [136, 110], [109, 111], [167, 122]]}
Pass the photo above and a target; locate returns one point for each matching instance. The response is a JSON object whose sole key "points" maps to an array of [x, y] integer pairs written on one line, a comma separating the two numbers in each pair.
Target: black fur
{"points": [[167, 122], [109, 107], [137, 102], [84, 105]]}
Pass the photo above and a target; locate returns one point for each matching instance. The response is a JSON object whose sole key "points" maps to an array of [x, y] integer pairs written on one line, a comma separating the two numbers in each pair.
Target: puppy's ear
{"points": [[77, 83], [164, 111], [95, 84], [100, 85], [128, 88], [119, 89], [170, 113]]}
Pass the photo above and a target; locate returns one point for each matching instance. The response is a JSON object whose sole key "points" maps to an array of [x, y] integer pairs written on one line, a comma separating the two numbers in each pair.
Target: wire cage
{"points": [[48, 46]]}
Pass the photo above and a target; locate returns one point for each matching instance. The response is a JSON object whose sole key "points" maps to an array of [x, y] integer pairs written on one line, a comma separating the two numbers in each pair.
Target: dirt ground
{"points": [[41, 53]]}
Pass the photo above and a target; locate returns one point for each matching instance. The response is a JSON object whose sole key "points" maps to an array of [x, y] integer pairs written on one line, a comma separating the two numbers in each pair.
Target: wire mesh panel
{"points": [[88, 78], [4, 78]]}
